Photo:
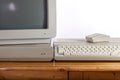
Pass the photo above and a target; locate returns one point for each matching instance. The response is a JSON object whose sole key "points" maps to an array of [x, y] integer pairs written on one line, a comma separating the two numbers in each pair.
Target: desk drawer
{"points": [[33, 75], [99, 75], [94, 75]]}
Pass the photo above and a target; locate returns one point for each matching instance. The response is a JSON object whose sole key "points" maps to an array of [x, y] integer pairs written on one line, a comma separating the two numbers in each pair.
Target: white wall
{"points": [[78, 18]]}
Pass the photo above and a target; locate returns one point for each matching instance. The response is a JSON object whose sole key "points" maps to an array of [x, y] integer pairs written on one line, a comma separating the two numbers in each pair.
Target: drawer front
{"points": [[33, 75], [75, 76], [99, 75]]}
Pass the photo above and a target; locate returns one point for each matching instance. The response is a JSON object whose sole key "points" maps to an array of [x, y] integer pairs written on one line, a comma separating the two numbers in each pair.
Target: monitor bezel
{"points": [[47, 33]]}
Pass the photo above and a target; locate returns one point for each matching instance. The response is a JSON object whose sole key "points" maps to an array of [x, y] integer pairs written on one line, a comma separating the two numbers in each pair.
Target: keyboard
{"points": [[75, 49]]}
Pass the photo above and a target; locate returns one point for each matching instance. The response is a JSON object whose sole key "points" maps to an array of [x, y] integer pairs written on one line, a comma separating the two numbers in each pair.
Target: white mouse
{"points": [[97, 38]]}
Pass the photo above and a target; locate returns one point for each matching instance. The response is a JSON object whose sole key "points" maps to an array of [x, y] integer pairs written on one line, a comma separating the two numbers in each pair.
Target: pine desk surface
{"points": [[60, 66]]}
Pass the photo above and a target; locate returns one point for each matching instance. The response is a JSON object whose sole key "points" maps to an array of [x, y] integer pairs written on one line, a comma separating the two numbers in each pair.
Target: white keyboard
{"points": [[82, 50]]}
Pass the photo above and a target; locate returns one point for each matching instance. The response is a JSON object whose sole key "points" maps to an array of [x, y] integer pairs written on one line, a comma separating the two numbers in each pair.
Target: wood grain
{"points": [[33, 75], [75, 75], [59, 70], [99, 75], [61, 66]]}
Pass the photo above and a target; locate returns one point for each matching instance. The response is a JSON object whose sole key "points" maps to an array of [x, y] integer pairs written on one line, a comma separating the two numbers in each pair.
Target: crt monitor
{"points": [[22, 20]]}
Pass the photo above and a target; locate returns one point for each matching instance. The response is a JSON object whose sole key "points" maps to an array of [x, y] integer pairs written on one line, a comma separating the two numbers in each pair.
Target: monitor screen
{"points": [[23, 14], [27, 20]]}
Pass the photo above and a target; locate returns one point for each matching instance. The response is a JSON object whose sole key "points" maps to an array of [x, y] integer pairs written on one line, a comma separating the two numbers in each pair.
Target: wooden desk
{"points": [[59, 70]]}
